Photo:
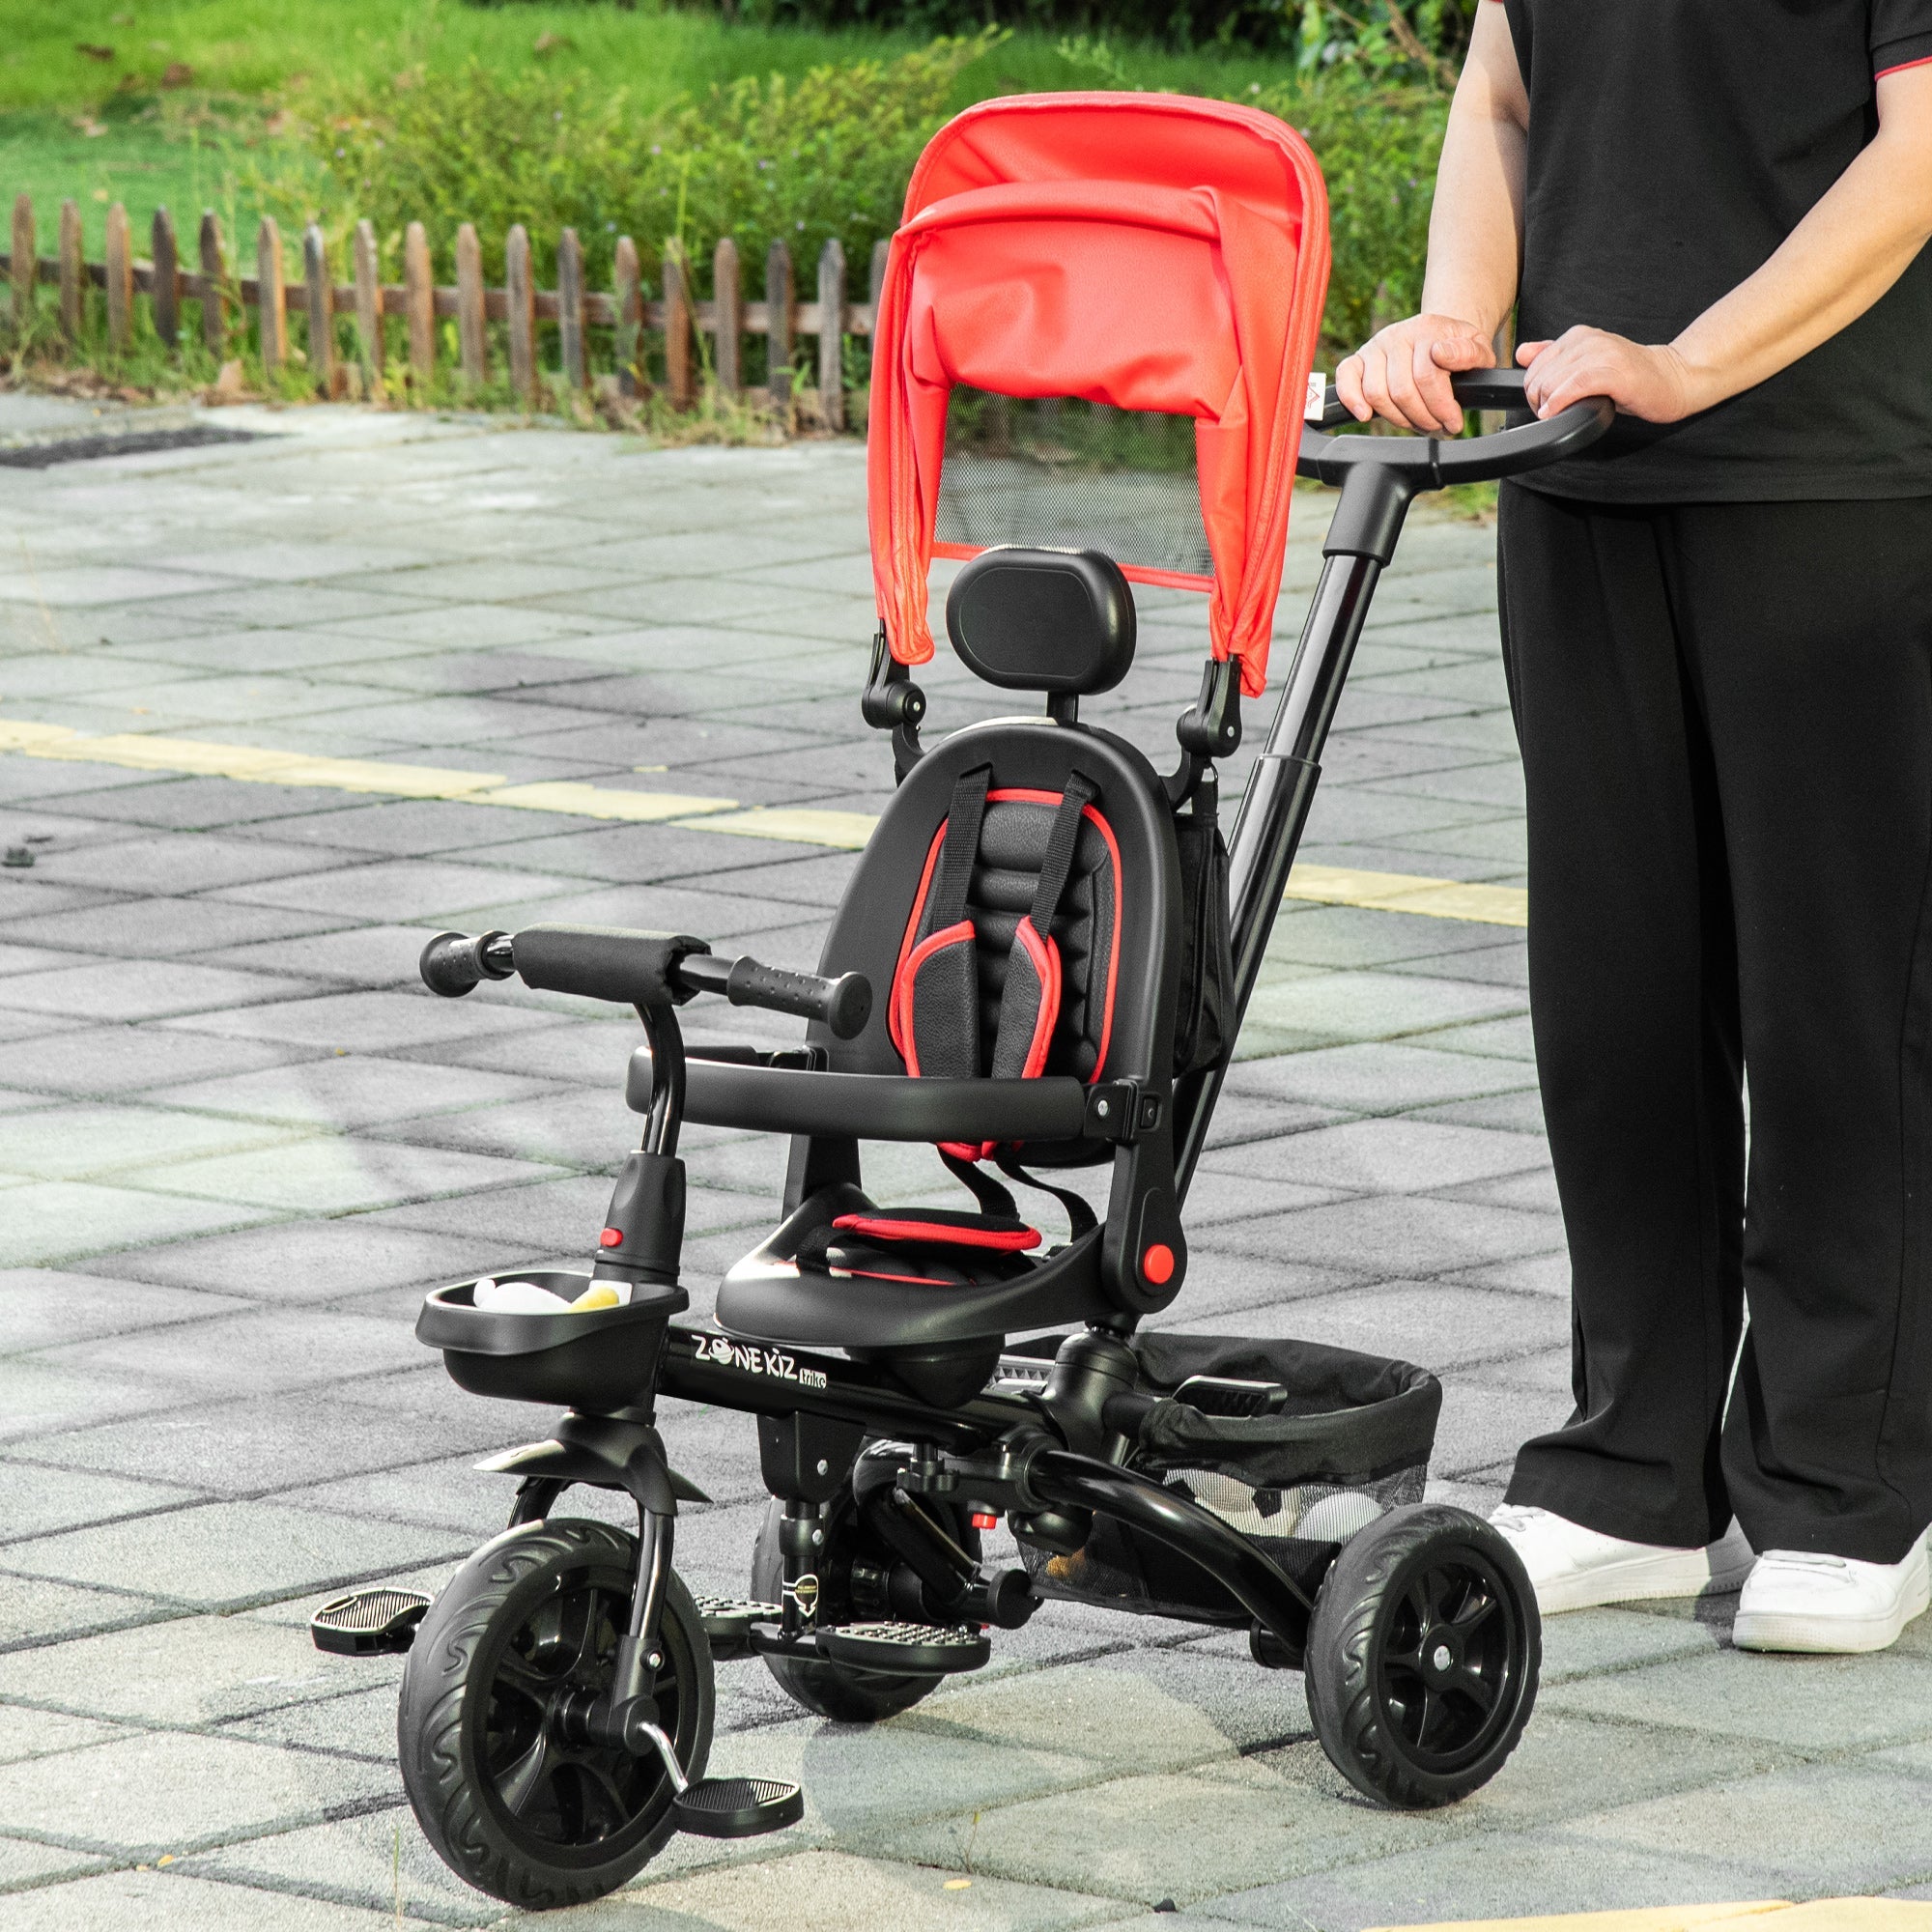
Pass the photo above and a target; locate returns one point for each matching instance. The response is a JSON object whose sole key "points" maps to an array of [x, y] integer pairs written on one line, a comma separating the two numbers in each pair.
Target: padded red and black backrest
{"points": [[1012, 847], [1117, 927]]}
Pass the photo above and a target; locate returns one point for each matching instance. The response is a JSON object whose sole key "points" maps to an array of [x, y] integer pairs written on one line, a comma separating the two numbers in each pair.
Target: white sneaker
{"points": [[1574, 1567], [1796, 1601]]}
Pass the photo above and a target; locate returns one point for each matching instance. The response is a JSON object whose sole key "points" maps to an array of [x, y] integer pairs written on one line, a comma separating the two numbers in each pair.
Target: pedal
{"points": [[369, 1623], [730, 1619], [737, 1807], [918, 1649]]}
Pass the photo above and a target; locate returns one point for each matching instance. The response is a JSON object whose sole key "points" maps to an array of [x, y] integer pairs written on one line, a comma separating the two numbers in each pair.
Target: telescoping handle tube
{"points": [[640, 969]]}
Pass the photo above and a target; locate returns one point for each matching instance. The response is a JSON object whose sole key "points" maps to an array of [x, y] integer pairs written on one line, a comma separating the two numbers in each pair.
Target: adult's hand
{"points": [[1401, 373], [1651, 380]]}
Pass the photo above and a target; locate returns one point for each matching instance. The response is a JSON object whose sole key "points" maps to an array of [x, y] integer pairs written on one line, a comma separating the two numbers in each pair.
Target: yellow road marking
{"points": [[1819, 1915], [1405, 891], [797, 825]]}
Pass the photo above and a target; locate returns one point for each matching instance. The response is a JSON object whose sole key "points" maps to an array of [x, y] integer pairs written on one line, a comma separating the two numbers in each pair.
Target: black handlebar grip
{"points": [[844, 1004], [453, 963]]}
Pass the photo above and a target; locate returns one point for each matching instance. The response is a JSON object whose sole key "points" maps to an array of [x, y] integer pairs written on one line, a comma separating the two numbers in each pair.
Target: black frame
{"points": [[1050, 1456]]}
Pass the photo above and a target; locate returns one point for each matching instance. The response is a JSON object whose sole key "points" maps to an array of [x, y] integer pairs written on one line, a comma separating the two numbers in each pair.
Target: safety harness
{"points": [[934, 1020]]}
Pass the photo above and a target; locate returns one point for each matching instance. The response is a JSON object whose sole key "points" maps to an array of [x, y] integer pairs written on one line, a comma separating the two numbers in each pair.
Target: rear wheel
{"points": [[839, 1690], [1422, 1655], [515, 1797]]}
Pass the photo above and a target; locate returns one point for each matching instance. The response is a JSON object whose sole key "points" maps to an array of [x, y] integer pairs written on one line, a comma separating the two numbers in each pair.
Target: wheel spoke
{"points": [[521, 1780], [1415, 1601], [1479, 1693], [587, 1605], [1475, 1613], [519, 1674]]}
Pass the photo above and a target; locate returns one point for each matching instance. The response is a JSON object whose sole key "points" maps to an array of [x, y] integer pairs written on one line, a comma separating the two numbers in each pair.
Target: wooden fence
{"points": [[728, 317]]}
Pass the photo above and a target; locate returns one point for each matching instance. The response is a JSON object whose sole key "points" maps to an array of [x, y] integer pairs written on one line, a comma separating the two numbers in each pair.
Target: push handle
{"points": [[844, 1004], [640, 969], [453, 963], [1464, 459]]}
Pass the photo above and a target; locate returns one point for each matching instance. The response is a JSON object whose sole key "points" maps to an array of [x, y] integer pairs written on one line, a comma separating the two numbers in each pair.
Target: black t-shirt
{"points": [[1673, 145]]}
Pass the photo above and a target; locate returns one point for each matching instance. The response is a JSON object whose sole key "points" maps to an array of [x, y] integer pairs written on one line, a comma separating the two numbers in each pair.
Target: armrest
{"points": [[869, 1106]]}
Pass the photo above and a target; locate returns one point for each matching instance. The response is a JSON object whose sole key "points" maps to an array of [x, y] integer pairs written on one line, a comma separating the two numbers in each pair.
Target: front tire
{"points": [[514, 1800], [1422, 1655]]}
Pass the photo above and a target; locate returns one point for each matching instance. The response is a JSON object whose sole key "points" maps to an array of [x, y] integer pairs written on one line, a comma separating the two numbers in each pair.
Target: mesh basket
{"points": [[1352, 1441], [1065, 474]]}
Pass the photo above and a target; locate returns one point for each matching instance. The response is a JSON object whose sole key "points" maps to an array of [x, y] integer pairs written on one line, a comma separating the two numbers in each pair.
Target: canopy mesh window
{"points": [[1066, 474]]}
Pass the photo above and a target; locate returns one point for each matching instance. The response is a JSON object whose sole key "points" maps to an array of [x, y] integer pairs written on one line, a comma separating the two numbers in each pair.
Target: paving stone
{"points": [[224, 1553], [865, 1894], [583, 1127], [1496, 1876], [1396, 1234], [352, 1090], [333, 1175], [359, 955], [314, 1261], [125, 1059], [297, 1436], [374, 1861], [143, 989], [1398, 1155], [402, 889], [172, 1792], [75, 1141], [369, 1022], [57, 1221], [26, 1733], [164, 927], [35, 1499], [23, 1864], [191, 861], [34, 1610], [1429, 1321], [185, 1674], [40, 1307], [1382, 1077], [1810, 1703]]}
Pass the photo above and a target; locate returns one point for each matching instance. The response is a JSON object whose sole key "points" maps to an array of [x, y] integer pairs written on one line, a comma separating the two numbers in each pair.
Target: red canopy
{"points": [[1147, 250]]}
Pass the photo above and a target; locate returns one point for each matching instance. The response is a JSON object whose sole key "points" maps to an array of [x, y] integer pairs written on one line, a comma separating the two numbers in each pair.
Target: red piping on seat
{"points": [[887, 1227], [904, 982]]}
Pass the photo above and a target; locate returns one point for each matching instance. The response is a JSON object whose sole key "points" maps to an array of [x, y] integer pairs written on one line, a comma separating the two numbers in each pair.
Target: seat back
{"points": [[1118, 924]]}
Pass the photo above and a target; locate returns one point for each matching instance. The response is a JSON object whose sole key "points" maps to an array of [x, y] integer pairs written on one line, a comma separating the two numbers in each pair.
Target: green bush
{"points": [[806, 159]]}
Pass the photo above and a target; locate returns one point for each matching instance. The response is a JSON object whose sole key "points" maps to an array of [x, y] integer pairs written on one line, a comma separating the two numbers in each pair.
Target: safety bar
{"points": [[640, 969], [869, 1106]]}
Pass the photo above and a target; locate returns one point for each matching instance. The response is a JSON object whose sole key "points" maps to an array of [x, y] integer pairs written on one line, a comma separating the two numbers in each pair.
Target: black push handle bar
{"points": [[640, 969], [1435, 461]]}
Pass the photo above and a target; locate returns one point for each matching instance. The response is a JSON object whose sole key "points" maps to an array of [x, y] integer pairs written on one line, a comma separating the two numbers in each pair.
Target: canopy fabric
{"points": [[1149, 251]]}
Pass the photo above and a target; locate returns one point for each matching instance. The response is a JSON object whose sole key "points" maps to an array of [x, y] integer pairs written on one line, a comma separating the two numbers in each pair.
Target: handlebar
{"points": [[640, 969], [1434, 461]]}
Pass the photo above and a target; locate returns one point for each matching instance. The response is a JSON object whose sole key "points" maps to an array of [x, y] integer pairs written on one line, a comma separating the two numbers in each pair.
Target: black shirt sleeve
{"points": [[1901, 33]]}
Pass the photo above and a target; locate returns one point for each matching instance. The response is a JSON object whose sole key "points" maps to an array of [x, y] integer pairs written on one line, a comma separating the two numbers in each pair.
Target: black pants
{"points": [[1725, 713]]}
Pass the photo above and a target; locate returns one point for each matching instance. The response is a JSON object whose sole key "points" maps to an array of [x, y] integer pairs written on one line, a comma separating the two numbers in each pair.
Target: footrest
{"points": [[737, 1807], [920, 1648], [369, 1623], [729, 1619]]}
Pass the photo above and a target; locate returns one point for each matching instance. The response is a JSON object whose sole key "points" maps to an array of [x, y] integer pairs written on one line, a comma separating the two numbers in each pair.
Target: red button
{"points": [[1157, 1264], [613, 1238], [984, 1520]]}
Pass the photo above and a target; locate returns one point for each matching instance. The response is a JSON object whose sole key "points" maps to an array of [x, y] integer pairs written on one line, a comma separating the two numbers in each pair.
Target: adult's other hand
{"points": [[1654, 382]]}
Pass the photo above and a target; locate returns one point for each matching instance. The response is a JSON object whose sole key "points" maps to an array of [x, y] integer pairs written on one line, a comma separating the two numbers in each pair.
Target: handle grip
{"points": [[1435, 461], [843, 1005], [453, 963]]}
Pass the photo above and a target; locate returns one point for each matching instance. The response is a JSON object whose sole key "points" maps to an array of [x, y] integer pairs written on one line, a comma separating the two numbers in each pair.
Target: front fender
{"points": [[608, 1452]]}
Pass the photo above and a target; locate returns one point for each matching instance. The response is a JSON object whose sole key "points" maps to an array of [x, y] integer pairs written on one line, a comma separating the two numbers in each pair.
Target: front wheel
{"points": [[515, 1797], [1422, 1655]]}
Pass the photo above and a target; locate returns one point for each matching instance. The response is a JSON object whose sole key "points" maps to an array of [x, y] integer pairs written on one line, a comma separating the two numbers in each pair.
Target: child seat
{"points": [[1023, 897]]}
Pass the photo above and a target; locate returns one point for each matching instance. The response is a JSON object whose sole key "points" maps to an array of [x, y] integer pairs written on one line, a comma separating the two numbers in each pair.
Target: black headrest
{"points": [[1055, 620]]}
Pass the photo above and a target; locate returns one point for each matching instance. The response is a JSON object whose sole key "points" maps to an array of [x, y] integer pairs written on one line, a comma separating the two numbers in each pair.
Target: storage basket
{"points": [[1352, 1440]]}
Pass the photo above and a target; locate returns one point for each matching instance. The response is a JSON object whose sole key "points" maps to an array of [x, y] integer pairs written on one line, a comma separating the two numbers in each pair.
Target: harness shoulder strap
{"points": [[1057, 867], [1079, 1215], [962, 848]]}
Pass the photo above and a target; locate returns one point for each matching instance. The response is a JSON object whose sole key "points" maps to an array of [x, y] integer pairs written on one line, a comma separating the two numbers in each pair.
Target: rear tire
{"points": [[522, 1633], [1422, 1655], [833, 1690]]}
